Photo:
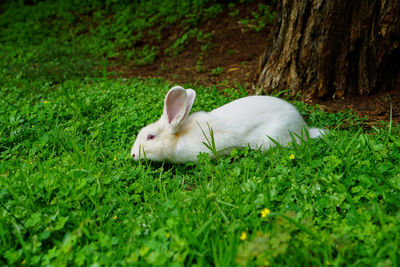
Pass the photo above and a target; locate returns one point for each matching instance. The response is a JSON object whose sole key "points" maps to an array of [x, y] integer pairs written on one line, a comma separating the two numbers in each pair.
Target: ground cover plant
{"points": [[127, 30], [70, 194]]}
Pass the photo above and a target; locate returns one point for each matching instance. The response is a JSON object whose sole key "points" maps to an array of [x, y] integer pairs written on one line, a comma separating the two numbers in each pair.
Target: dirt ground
{"points": [[237, 50]]}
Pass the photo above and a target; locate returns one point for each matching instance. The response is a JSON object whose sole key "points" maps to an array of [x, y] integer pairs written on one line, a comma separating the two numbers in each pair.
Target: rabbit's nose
{"points": [[133, 155]]}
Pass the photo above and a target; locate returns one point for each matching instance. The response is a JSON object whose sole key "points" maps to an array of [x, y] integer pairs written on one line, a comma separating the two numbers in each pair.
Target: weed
{"points": [[230, 52], [233, 10], [210, 140], [217, 71], [181, 42], [199, 66], [259, 20], [143, 56]]}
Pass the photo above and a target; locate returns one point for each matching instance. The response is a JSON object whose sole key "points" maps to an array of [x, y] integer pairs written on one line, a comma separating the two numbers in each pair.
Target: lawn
{"points": [[70, 194]]}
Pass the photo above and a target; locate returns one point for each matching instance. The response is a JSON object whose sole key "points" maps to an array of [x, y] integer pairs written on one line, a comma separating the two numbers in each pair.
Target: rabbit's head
{"points": [[157, 141]]}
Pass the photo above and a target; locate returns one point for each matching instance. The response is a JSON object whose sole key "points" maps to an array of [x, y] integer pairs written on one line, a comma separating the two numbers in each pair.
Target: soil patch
{"points": [[377, 107], [232, 59]]}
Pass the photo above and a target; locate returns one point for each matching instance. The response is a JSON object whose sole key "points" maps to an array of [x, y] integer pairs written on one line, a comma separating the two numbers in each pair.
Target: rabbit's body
{"points": [[247, 121], [233, 126]]}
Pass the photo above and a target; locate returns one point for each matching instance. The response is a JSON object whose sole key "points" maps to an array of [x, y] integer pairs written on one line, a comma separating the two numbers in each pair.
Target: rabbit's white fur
{"points": [[244, 122]]}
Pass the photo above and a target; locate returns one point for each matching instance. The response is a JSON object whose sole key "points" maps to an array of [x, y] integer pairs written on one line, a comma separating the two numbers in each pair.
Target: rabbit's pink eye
{"points": [[150, 137]]}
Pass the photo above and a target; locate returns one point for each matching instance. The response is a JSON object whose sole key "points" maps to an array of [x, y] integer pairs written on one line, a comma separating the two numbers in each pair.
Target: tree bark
{"points": [[330, 48]]}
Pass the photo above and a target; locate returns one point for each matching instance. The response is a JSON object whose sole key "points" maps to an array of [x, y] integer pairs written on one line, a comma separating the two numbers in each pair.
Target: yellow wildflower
{"points": [[265, 212], [115, 158], [243, 236], [45, 102], [115, 217], [291, 157], [167, 235]]}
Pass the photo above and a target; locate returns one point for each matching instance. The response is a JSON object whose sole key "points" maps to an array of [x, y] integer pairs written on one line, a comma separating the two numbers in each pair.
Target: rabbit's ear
{"points": [[191, 96], [176, 107]]}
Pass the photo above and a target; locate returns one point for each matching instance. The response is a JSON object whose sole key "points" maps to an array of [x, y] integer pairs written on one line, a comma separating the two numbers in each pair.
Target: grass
{"points": [[51, 32], [70, 194], [135, 31], [114, 29]]}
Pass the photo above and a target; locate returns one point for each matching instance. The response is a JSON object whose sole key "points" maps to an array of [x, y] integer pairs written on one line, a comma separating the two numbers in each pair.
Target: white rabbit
{"points": [[247, 121]]}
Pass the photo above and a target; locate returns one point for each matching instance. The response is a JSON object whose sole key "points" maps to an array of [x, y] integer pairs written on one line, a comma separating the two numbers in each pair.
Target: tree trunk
{"points": [[330, 48]]}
